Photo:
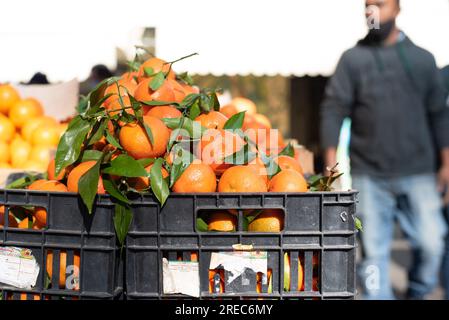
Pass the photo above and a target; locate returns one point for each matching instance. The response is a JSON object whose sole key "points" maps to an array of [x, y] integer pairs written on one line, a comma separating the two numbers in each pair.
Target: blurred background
{"points": [[279, 54]]}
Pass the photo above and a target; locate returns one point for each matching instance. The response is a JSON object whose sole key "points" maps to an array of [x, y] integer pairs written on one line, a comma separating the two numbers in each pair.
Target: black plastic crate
{"points": [[318, 235], [73, 236]]}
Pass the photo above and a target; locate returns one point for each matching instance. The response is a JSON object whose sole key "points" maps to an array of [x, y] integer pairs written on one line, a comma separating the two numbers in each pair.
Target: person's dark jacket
{"points": [[395, 98]]}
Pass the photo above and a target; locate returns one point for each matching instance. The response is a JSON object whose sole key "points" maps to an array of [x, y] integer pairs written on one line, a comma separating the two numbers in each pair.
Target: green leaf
{"points": [[149, 133], [181, 160], [69, 147], [157, 81], [185, 77], [98, 92], [91, 155], [88, 185], [47, 281], [201, 225], [82, 105], [133, 65], [235, 122], [112, 188], [112, 140], [125, 166], [358, 224], [122, 221], [195, 111], [158, 183], [149, 72], [24, 182], [97, 131], [240, 157], [193, 128], [205, 102], [146, 162], [157, 103], [215, 102], [272, 168], [288, 151], [189, 100]]}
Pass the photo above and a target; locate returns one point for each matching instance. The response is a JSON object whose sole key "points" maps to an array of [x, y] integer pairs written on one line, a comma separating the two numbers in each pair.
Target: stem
{"points": [[174, 61]]}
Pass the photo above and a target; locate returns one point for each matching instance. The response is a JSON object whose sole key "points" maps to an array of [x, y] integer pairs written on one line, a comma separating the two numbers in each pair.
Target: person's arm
{"points": [[335, 108], [439, 118]]}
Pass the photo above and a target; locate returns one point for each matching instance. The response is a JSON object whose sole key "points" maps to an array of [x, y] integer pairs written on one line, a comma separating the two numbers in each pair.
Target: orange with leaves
{"points": [[212, 120], [288, 163], [77, 172], [143, 183], [154, 65], [134, 139], [126, 86]]}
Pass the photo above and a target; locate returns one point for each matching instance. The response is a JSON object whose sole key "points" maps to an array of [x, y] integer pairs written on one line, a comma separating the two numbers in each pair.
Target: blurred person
{"points": [[445, 268], [393, 93], [39, 78], [98, 73]]}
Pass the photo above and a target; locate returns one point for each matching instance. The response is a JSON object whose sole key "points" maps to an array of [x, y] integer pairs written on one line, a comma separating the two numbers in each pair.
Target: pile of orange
{"points": [[207, 173], [27, 136]]}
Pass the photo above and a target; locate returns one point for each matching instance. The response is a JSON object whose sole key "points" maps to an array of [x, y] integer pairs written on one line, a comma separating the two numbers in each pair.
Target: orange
{"points": [[45, 136], [157, 65], [40, 154], [51, 171], [41, 216], [288, 163], [144, 93], [20, 151], [77, 172], [221, 221], [130, 76], [47, 185], [12, 222], [125, 85], [63, 268], [8, 97], [241, 179], [268, 140], [134, 140], [268, 221], [164, 112], [25, 109], [189, 89], [24, 224], [178, 90], [143, 183], [198, 177], [229, 110], [244, 104], [288, 181], [212, 120], [4, 152], [32, 124], [7, 129], [262, 119], [216, 144], [259, 168]]}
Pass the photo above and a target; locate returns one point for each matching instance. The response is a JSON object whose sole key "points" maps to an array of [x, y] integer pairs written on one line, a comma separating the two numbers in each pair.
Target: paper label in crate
{"points": [[181, 277], [18, 267], [236, 262]]}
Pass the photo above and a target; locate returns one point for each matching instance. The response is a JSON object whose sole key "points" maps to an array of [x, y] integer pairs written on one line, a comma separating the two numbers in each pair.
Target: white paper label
{"points": [[237, 261], [181, 277], [18, 267]]}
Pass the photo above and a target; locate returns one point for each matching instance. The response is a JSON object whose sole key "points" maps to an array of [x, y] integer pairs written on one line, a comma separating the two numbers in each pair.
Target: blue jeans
{"points": [[420, 218]]}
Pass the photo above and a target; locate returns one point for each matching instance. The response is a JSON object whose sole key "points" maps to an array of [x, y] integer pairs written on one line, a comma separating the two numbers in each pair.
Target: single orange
{"points": [[288, 163], [268, 221], [221, 221], [241, 179], [198, 177], [25, 109], [51, 174], [7, 129], [156, 65], [145, 93], [48, 185], [288, 181], [244, 104], [164, 112], [134, 139], [8, 97], [212, 120], [77, 172]]}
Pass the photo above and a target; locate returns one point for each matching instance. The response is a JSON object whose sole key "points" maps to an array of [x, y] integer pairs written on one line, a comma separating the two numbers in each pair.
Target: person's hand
{"points": [[443, 183]]}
